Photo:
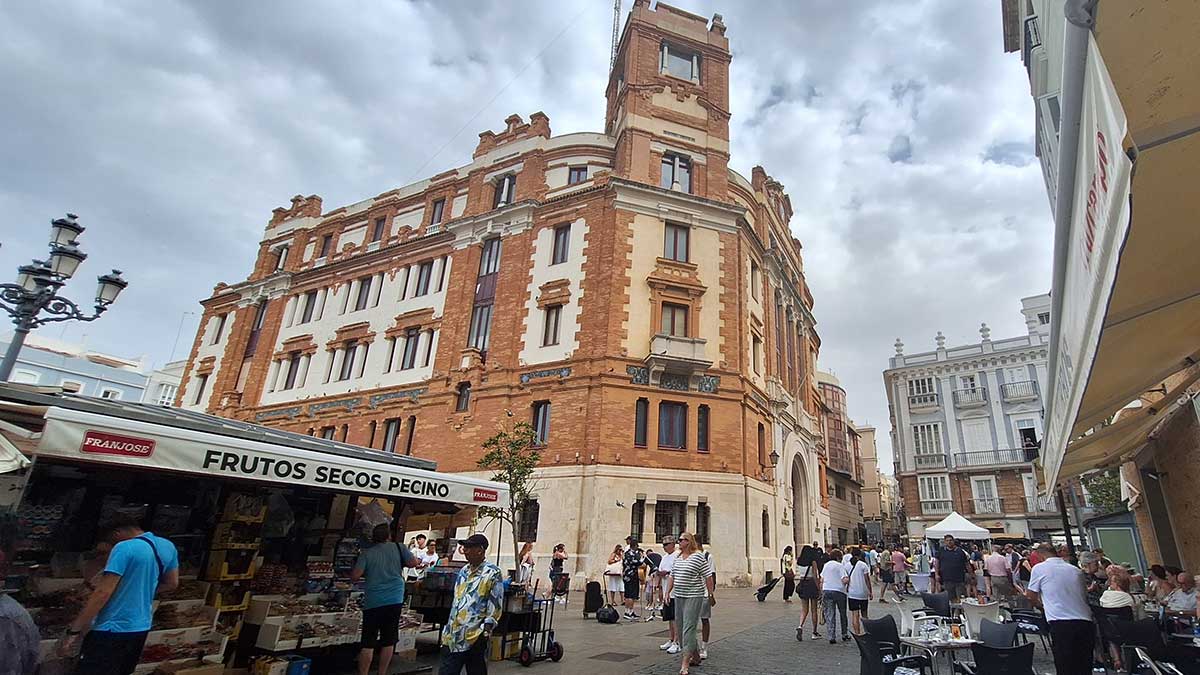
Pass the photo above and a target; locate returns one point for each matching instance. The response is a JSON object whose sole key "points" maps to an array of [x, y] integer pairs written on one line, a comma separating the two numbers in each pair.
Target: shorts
{"points": [[633, 589], [809, 590], [956, 589], [887, 576], [106, 652], [901, 578], [381, 626], [1002, 586], [858, 605], [706, 609], [668, 610]]}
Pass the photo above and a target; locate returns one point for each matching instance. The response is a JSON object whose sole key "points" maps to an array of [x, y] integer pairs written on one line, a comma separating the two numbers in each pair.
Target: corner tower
{"points": [[668, 101]]}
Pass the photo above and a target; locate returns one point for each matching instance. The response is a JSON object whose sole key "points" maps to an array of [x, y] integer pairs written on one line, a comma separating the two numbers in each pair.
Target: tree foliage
{"points": [[1104, 488], [512, 454]]}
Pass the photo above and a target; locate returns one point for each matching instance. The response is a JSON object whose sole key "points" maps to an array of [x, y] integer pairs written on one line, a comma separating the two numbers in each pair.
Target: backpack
{"points": [[607, 614]]}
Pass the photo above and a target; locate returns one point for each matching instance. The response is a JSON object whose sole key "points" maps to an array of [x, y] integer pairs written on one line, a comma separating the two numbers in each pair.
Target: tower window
{"points": [[676, 170], [680, 63]]}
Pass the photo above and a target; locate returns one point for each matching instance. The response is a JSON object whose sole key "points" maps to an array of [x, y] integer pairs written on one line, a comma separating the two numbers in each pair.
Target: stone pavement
{"points": [[748, 638]]}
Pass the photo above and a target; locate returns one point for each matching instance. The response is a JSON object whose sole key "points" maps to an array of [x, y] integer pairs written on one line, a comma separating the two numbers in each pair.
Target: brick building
{"points": [[966, 424], [643, 305], [844, 467]]}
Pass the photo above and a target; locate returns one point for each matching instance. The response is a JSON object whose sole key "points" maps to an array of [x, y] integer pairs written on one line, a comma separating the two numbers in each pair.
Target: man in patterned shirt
{"points": [[478, 602]]}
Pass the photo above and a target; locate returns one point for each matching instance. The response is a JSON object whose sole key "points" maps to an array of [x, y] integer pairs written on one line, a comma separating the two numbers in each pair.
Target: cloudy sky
{"points": [[902, 132]]}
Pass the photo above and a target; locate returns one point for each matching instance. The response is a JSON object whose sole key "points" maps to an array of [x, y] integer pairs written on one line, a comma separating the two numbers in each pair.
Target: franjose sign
{"points": [[85, 436]]}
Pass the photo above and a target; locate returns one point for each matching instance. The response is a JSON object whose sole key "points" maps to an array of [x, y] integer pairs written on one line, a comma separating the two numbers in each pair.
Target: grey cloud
{"points": [[174, 127], [900, 150]]}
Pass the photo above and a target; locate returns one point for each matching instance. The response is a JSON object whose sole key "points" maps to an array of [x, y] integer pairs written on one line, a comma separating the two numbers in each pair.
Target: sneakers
{"points": [[833, 642], [674, 648], [667, 645], [845, 637], [703, 650], [800, 634], [816, 636]]}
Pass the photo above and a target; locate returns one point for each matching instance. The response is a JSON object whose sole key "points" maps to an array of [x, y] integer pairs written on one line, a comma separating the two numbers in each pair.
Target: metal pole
{"points": [[14, 348], [1066, 522]]}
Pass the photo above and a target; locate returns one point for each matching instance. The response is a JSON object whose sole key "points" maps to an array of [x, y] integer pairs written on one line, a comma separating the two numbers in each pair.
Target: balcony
{"points": [[930, 461], [680, 359], [1038, 505], [991, 457], [839, 460], [987, 505], [936, 507], [1014, 392], [1033, 38], [970, 398], [919, 403]]}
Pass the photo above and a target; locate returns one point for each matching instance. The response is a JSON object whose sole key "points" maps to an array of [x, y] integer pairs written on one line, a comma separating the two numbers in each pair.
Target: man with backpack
{"points": [[119, 610], [383, 564]]}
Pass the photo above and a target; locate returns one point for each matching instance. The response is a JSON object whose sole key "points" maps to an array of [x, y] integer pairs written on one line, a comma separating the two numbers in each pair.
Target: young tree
{"points": [[1104, 487], [513, 455]]}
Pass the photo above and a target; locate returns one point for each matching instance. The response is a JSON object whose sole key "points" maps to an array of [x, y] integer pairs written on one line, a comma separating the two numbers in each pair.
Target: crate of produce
{"points": [[311, 630], [245, 507], [230, 599], [226, 565], [181, 614], [237, 535], [264, 607], [188, 589], [164, 647]]}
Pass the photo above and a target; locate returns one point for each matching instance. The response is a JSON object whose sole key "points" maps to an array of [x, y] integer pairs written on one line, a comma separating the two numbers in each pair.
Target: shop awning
{"points": [[11, 457], [1128, 305], [958, 527], [91, 437], [150, 437]]}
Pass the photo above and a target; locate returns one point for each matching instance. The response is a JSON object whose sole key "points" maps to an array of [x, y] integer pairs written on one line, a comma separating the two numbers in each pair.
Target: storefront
{"points": [[268, 524]]}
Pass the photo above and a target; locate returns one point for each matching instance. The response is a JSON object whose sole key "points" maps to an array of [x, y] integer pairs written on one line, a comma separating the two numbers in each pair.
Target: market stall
{"points": [[268, 524]]}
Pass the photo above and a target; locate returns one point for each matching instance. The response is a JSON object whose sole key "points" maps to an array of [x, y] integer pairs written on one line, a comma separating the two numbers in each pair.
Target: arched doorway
{"points": [[801, 508]]}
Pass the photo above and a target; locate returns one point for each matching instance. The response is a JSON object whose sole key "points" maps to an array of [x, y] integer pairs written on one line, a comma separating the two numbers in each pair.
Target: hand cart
{"points": [[537, 639]]}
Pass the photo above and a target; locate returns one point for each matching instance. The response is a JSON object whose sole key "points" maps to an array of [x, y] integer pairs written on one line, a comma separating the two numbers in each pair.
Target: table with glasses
{"points": [[935, 646]]}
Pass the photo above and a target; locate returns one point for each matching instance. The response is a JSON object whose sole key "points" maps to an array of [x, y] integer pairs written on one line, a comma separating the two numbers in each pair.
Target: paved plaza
{"points": [[748, 638]]}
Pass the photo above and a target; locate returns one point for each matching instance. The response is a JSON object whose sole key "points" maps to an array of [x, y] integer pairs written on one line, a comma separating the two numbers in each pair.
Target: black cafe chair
{"points": [[1144, 634], [873, 661], [937, 603], [1031, 622], [886, 635], [999, 660], [1109, 634], [995, 634]]}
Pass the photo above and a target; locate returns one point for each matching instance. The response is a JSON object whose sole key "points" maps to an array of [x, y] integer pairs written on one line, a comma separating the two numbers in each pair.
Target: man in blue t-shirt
{"points": [[119, 609], [383, 598]]}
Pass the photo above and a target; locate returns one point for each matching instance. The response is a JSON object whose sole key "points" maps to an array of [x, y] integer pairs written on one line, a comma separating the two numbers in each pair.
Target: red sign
{"points": [[112, 444], [485, 495]]}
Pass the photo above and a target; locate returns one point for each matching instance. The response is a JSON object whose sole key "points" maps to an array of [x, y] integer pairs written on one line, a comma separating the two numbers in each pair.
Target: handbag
{"points": [[614, 569]]}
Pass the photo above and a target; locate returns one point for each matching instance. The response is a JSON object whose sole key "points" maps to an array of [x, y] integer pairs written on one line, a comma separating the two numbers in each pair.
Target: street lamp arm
{"points": [[61, 309], [11, 298]]}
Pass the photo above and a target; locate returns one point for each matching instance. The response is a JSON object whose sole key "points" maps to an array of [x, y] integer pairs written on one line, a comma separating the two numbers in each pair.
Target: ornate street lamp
{"points": [[33, 300]]}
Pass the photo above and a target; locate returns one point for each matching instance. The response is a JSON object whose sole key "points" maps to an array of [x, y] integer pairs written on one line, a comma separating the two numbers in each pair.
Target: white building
{"points": [[966, 422]]}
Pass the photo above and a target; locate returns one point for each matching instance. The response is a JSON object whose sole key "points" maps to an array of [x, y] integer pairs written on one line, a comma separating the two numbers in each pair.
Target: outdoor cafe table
{"points": [[937, 646]]}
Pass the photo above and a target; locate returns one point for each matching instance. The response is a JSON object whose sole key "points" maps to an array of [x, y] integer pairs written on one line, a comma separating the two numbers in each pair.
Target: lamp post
{"points": [[34, 301]]}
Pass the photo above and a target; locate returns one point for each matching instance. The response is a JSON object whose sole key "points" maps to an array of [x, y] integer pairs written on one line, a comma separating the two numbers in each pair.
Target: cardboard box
{"points": [[511, 648], [408, 655]]}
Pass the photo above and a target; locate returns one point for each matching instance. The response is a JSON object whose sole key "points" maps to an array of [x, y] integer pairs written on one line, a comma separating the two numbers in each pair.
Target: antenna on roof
{"points": [[612, 58]]}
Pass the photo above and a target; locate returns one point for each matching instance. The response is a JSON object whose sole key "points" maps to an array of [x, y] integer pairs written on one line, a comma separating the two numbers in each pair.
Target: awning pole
{"points": [[1066, 522]]}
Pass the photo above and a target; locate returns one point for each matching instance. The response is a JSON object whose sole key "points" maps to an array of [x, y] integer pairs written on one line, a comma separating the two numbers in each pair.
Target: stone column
{"points": [[648, 515]]}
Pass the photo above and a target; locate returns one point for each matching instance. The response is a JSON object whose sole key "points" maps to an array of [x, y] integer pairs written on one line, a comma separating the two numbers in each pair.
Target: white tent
{"points": [[958, 527]]}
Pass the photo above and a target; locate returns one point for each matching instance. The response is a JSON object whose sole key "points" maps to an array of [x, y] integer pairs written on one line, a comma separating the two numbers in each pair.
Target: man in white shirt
{"points": [[834, 578], [1061, 589], [670, 555], [417, 549], [1183, 599]]}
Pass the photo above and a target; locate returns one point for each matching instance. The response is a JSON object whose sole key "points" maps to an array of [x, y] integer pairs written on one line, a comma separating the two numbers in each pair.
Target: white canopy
{"points": [[958, 527]]}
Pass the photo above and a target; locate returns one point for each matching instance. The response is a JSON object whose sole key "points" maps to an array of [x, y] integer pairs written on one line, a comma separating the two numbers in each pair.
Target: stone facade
{"points": [[843, 466], [625, 291], [966, 423]]}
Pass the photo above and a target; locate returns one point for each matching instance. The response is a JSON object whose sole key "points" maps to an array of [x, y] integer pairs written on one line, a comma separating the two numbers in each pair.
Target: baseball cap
{"points": [[474, 540], [668, 539]]}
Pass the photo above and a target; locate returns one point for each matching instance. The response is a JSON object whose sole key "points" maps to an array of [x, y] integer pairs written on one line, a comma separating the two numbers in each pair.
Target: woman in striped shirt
{"points": [[690, 586]]}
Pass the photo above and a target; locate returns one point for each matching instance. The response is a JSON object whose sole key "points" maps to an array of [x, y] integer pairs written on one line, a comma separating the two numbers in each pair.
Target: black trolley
{"points": [[537, 637]]}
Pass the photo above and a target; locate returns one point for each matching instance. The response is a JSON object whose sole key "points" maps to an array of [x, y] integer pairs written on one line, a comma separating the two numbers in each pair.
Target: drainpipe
{"points": [[1078, 30]]}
